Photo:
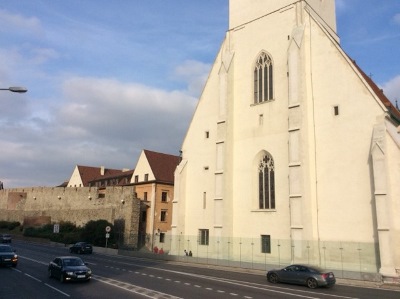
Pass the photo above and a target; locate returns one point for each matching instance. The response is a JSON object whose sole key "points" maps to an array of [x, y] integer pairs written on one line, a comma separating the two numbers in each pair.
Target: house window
{"points": [[263, 79], [265, 244], [164, 196], [145, 196], [136, 178], [336, 110], [163, 215], [203, 236], [207, 134], [204, 200], [266, 179], [162, 237], [146, 177]]}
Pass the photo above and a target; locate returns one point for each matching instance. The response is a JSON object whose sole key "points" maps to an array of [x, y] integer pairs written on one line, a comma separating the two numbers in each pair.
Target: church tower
{"points": [[245, 11]]}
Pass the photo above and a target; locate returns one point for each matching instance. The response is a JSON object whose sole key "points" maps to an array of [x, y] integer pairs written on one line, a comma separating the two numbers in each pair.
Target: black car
{"points": [[310, 276], [81, 247], [69, 268], [8, 257], [5, 238]]}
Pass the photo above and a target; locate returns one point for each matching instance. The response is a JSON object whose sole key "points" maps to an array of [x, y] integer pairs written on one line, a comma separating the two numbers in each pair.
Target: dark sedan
{"points": [[5, 238], [81, 247], [8, 257], [69, 268], [310, 276]]}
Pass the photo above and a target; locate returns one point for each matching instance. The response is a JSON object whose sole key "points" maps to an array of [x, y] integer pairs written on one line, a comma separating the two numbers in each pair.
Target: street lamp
{"points": [[18, 89]]}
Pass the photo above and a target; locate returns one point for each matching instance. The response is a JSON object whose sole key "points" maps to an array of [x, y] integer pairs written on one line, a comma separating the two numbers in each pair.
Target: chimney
{"points": [[102, 170]]}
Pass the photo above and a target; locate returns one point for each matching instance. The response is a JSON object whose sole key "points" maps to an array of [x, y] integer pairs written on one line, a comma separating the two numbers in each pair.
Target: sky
{"points": [[107, 79]]}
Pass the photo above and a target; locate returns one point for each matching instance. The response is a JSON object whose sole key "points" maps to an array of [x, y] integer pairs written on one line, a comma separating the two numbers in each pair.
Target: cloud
{"points": [[194, 74], [396, 19], [341, 5], [392, 89], [16, 23], [98, 122]]}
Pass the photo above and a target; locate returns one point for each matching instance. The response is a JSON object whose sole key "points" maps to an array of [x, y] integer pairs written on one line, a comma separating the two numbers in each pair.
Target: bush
{"points": [[94, 232], [10, 225]]}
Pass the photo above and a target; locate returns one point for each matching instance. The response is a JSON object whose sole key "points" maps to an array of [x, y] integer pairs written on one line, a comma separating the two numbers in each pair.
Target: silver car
{"points": [[310, 276]]}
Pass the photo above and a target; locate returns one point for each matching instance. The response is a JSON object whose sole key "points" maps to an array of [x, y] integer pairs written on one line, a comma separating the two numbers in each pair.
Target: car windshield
{"points": [[73, 262], [5, 249]]}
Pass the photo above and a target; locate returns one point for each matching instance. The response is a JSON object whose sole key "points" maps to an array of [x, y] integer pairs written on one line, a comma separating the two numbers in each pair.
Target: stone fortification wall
{"points": [[76, 205]]}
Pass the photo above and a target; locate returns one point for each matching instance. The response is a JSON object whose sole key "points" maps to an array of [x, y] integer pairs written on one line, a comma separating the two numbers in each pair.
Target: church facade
{"points": [[293, 153]]}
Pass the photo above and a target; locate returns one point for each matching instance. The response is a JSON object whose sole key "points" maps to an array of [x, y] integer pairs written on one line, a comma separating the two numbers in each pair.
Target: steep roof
{"points": [[89, 173], [394, 113], [162, 165], [110, 176]]}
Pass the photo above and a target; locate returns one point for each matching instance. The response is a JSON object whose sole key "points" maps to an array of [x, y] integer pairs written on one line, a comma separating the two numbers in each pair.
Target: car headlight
{"points": [[89, 271]]}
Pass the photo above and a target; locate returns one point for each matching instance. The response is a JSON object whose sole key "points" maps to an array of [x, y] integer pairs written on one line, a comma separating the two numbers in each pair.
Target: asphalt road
{"points": [[127, 277]]}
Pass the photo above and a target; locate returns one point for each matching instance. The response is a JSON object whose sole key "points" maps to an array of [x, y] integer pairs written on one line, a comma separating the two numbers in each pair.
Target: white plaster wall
{"points": [[75, 180], [342, 142], [142, 168]]}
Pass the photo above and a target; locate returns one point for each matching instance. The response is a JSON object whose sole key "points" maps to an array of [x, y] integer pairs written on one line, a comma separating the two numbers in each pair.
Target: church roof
{"points": [[393, 111]]}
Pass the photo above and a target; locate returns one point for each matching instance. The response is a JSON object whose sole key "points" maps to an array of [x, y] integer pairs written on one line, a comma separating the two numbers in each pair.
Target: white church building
{"points": [[293, 153]]}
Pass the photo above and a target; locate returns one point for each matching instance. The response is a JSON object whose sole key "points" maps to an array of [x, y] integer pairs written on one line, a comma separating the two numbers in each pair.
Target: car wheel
{"points": [[312, 283], [14, 265], [273, 278], [61, 277], [49, 273]]}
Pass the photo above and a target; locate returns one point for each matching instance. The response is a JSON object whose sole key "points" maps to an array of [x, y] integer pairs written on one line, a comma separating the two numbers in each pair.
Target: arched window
{"points": [[266, 186], [263, 79]]}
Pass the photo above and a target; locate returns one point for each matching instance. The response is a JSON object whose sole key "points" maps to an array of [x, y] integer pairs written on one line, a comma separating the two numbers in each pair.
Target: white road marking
{"points": [[55, 289]]}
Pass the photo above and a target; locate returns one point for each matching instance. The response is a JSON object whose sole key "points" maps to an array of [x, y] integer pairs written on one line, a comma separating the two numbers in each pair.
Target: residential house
{"points": [[88, 176], [153, 179]]}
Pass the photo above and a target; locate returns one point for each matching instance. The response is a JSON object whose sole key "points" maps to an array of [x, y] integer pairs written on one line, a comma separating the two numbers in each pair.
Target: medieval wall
{"points": [[76, 205]]}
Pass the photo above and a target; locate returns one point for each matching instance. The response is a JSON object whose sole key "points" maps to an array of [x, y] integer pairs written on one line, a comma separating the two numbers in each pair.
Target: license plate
{"points": [[7, 260], [81, 276]]}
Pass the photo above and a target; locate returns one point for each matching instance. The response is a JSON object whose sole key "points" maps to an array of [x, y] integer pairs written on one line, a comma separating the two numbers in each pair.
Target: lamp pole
{"points": [[17, 89]]}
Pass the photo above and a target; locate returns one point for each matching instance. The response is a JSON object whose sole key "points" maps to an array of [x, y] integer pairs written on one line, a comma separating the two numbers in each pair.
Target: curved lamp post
{"points": [[18, 89]]}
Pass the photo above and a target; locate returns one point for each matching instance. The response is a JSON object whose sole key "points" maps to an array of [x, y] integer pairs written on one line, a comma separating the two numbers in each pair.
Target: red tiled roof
{"points": [[162, 165], [394, 113], [119, 176], [89, 173]]}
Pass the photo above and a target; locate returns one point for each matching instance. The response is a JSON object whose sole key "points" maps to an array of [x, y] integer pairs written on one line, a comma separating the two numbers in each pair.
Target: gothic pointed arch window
{"points": [[266, 182], [263, 79]]}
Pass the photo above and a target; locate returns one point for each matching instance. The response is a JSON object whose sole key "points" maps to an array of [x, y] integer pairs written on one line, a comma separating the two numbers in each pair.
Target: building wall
{"points": [[75, 180], [324, 181], [76, 205], [155, 206]]}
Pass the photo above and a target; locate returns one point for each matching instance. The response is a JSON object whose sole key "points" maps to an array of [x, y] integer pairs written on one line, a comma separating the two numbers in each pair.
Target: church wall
{"points": [[325, 211], [342, 143], [261, 127], [393, 164]]}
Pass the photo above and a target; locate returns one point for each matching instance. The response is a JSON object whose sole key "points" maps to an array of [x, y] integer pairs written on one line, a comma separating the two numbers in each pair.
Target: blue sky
{"points": [[107, 79]]}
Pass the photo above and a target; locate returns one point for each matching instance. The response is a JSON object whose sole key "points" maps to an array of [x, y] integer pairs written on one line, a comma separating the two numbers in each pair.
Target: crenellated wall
{"points": [[76, 205]]}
